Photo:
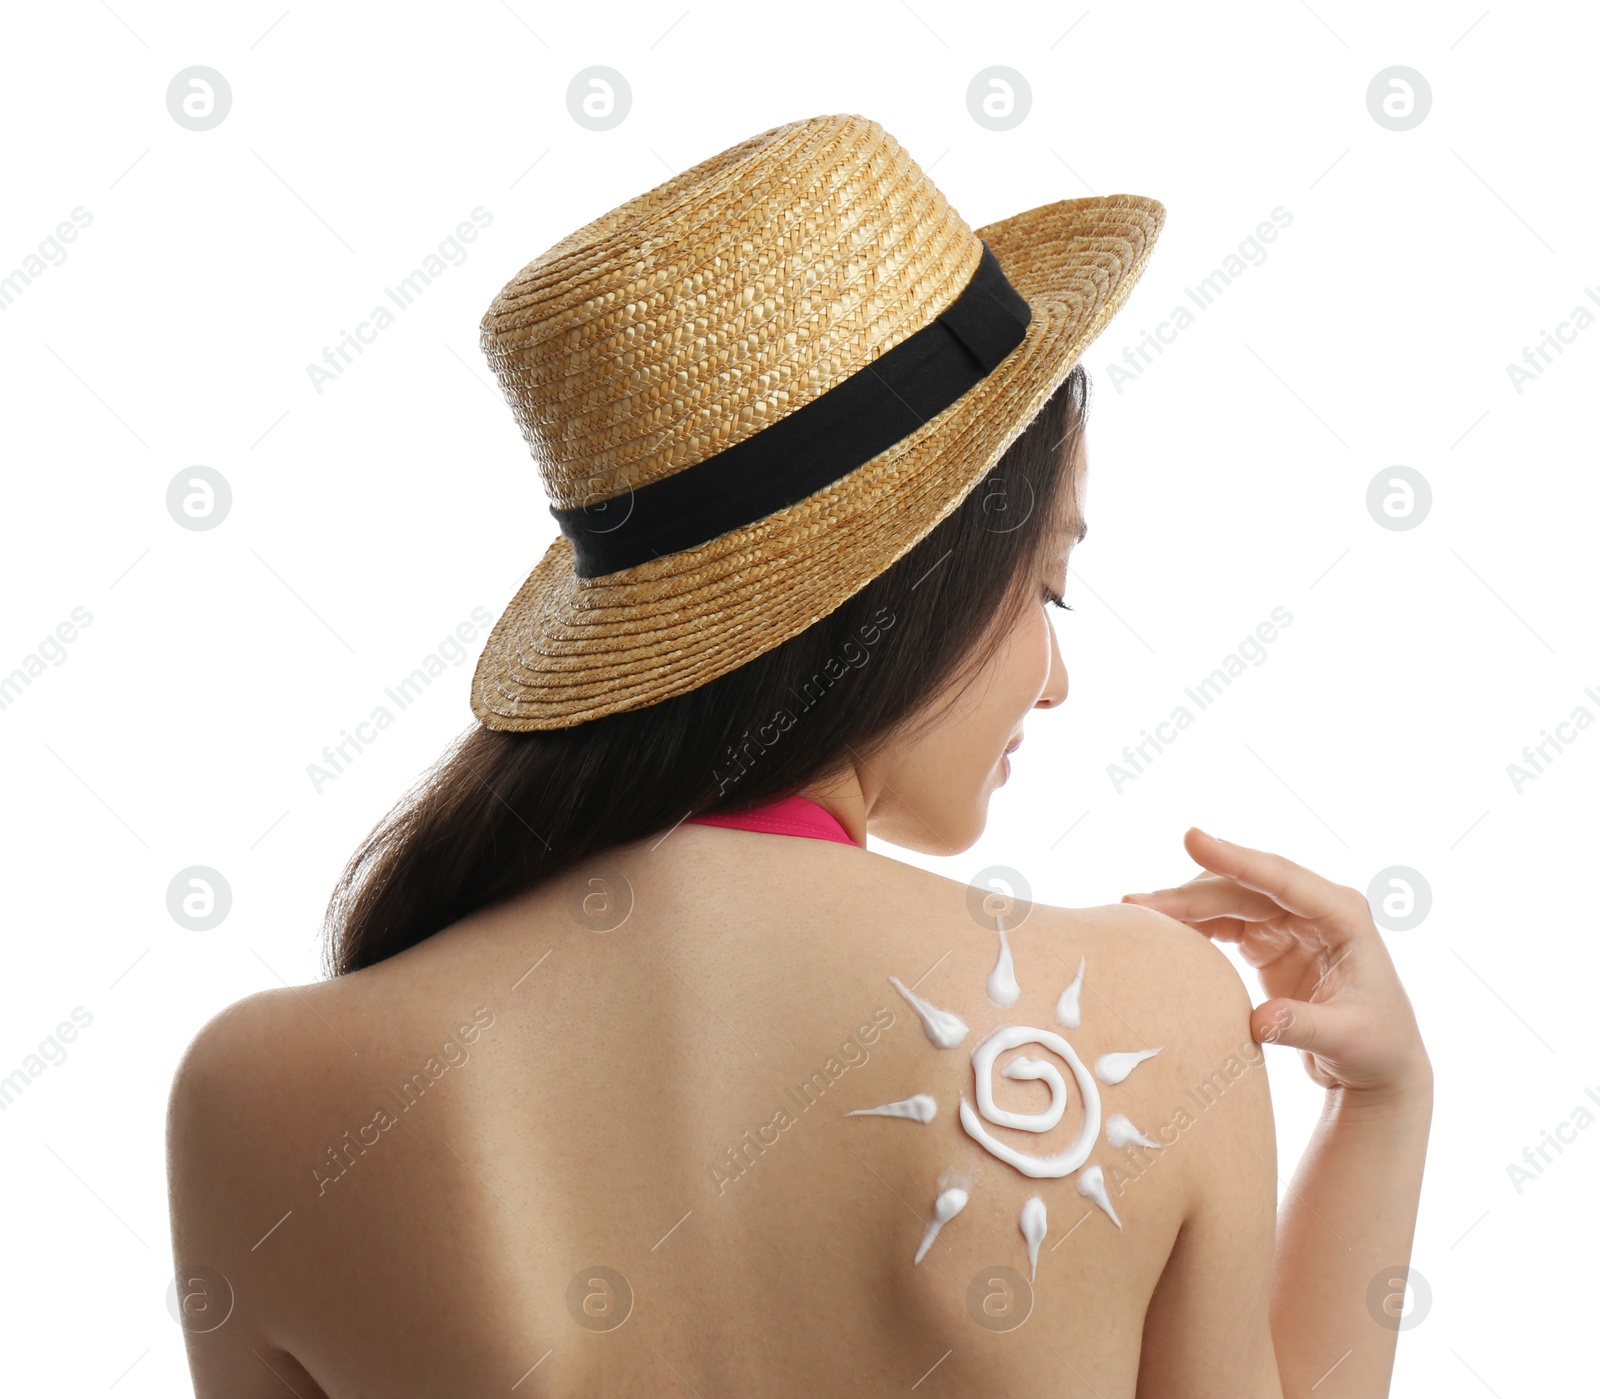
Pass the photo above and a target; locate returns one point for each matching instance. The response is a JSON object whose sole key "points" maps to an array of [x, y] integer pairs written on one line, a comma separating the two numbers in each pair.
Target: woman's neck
{"points": [[846, 799]]}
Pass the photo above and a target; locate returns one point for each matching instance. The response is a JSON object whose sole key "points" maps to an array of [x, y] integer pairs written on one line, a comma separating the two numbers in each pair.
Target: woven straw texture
{"points": [[700, 312]]}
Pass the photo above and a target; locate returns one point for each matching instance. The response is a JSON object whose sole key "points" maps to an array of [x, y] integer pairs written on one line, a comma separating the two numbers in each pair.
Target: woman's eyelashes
{"points": [[1054, 598]]}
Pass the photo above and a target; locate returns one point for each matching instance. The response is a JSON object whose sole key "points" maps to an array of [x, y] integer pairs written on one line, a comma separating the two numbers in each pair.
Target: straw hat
{"points": [[754, 387]]}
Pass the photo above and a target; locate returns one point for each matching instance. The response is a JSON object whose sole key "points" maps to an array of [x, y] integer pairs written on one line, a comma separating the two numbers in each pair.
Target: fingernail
{"points": [[1136, 898]]}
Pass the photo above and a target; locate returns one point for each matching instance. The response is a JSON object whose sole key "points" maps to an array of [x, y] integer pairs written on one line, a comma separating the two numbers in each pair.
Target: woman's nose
{"points": [[1055, 685]]}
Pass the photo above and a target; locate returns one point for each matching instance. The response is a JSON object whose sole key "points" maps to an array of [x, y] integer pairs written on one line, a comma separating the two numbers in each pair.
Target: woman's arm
{"points": [[1344, 1239], [1346, 1222]]}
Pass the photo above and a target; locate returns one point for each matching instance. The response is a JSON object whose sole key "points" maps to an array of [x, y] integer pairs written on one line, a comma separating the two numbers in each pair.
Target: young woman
{"points": [[639, 1074]]}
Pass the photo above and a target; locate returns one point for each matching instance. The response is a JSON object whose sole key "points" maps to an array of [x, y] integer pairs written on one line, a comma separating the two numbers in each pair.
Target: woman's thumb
{"points": [[1282, 1021]]}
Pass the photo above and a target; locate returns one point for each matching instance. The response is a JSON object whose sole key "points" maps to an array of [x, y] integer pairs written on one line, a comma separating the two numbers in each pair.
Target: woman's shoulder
{"points": [[286, 1047], [271, 1026], [249, 1080], [1164, 958], [231, 1047]]}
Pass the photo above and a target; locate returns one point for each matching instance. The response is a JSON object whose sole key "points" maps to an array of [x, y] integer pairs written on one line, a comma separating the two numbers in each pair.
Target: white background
{"points": [[1228, 478]]}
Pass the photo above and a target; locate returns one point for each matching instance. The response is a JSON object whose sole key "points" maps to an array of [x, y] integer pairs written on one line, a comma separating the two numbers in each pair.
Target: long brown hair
{"points": [[499, 811]]}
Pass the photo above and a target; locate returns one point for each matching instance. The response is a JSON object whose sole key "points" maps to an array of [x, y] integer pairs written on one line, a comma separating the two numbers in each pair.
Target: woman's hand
{"points": [[1333, 991]]}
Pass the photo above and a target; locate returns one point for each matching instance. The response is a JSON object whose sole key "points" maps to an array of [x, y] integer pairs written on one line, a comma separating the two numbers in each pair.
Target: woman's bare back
{"points": [[559, 1150]]}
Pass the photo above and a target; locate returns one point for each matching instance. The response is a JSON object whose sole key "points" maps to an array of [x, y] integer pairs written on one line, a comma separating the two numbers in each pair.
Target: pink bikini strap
{"points": [[788, 816]]}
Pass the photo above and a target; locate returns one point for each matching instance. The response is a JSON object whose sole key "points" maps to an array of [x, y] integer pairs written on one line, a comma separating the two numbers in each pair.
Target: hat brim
{"points": [[567, 649]]}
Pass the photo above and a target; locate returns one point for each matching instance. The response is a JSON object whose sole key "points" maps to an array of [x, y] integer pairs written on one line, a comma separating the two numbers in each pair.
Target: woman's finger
{"points": [[1222, 927], [1298, 889], [1261, 942], [1210, 896], [1314, 1027]]}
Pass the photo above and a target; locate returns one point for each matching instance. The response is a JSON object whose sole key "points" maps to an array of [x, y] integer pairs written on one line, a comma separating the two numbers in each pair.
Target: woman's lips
{"points": [[1005, 757]]}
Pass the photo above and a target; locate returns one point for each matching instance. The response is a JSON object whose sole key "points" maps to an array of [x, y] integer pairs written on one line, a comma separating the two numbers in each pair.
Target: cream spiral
{"points": [[972, 1120]]}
